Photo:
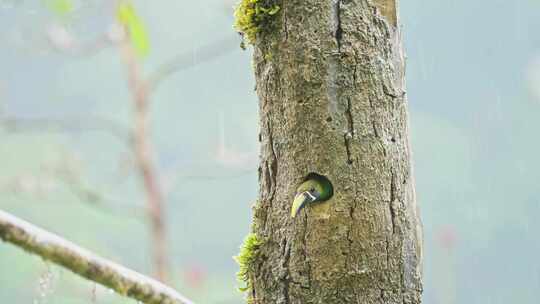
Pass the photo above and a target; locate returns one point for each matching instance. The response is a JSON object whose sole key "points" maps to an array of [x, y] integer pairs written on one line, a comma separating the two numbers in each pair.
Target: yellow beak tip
{"points": [[297, 204]]}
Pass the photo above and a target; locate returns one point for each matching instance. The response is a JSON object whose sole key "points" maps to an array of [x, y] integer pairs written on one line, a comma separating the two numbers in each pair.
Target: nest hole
{"points": [[325, 180]]}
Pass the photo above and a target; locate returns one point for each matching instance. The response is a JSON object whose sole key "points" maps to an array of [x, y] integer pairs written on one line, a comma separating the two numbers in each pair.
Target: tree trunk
{"points": [[330, 80]]}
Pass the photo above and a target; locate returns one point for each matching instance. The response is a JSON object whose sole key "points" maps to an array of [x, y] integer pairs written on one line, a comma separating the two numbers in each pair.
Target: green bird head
{"points": [[316, 188]]}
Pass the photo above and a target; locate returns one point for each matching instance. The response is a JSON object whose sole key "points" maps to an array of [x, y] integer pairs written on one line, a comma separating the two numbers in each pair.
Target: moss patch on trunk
{"points": [[246, 259], [252, 17]]}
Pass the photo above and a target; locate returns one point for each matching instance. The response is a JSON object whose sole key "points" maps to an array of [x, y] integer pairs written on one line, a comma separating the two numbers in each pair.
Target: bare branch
{"points": [[189, 59], [103, 203], [65, 124], [172, 179], [51, 247]]}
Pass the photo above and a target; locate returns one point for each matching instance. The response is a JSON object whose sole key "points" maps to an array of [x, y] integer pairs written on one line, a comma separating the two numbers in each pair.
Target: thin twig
{"points": [[171, 180], [65, 124], [145, 161], [98, 200], [187, 60]]}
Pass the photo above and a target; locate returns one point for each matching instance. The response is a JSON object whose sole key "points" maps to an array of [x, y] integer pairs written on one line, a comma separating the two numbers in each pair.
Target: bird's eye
{"points": [[312, 190]]}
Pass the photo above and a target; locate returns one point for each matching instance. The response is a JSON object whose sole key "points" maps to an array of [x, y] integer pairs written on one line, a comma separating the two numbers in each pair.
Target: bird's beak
{"points": [[300, 200]]}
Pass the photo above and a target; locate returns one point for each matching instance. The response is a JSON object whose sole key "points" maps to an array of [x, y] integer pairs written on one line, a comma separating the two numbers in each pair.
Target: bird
{"points": [[315, 188]]}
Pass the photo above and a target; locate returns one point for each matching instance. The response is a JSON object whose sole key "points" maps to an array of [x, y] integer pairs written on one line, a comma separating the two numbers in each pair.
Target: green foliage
{"points": [[246, 258], [128, 17], [60, 7], [252, 16]]}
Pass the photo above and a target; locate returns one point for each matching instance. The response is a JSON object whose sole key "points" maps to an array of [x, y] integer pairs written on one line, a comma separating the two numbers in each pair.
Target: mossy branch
{"points": [[122, 280]]}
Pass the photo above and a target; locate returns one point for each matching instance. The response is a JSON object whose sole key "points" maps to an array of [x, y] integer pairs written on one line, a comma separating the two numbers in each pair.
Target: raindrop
{"points": [[94, 295], [45, 285]]}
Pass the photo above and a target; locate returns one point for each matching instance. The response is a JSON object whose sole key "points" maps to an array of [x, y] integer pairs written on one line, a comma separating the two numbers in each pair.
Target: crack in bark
{"points": [[350, 132], [355, 66], [374, 125], [265, 219], [393, 190], [388, 266], [273, 167], [285, 26], [349, 116], [349, 239], [304, 250], [253, 292], [338, 31], [267, 177], [387, 92], [350, 256], [394, 222], [287, 275], [347, 137], [382, 296]]}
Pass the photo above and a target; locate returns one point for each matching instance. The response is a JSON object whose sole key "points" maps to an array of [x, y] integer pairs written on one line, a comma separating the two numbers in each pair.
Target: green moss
{"points": [[246, 259], [251, 17], [268, 56]]}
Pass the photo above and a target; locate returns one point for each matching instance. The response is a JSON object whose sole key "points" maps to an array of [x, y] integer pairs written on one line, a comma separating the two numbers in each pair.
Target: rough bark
{"points": [[53, 248], [330, 81]]}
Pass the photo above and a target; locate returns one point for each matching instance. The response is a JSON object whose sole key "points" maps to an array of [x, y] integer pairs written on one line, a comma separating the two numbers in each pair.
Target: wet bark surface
{"points": [[330, 81]]}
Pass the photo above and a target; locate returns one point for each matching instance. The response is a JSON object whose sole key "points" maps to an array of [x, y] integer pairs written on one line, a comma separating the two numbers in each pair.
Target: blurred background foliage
{"points": [[473, 78]]}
